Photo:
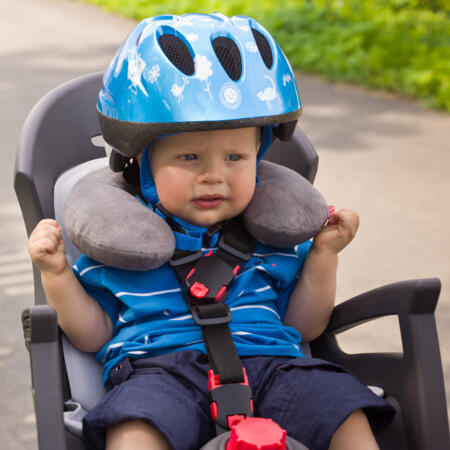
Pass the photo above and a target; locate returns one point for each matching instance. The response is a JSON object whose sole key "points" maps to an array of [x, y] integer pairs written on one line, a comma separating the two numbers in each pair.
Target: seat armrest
{"points": [[414, 378], [41, 338], [402, 298]]}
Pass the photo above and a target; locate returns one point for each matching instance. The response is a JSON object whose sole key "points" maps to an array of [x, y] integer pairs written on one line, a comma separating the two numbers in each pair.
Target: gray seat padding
{"points": [[83, 371]]}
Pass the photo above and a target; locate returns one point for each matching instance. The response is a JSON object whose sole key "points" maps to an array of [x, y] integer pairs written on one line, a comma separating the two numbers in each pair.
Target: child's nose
{"points": [[212, 172]]}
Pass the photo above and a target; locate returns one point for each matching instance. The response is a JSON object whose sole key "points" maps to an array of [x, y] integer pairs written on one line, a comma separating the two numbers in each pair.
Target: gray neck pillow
{"points": [[106, 221]]}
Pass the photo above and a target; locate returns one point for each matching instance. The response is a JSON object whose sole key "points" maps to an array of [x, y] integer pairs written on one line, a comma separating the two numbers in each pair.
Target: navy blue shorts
{"points": [[308, 397]]}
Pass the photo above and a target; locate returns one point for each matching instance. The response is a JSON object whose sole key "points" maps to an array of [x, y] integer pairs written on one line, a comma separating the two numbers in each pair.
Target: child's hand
{"points": [[339, 231], [46, 247]]}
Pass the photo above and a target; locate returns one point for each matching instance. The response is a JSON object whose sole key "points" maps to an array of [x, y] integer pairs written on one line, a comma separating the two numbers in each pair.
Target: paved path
{"points": [[389, 159]]}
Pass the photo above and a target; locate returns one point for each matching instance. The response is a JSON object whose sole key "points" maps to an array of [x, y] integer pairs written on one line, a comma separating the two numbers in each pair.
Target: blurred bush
{"points": [[395, 45]]}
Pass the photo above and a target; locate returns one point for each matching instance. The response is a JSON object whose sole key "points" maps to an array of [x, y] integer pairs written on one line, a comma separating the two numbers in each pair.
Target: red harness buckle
{"points": [[230, 403], [198, 290]]}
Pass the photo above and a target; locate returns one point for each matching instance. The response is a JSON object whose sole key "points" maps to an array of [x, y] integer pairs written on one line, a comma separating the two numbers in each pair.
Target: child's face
{"points": [[205, 177]]}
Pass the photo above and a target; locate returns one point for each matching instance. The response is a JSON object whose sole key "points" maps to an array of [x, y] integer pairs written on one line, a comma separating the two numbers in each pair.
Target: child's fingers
{"points": [[334, 219], [45, 246], [61, 246], [338, 217], [47, 226], [45, 239], [49, 223], [50, 233], [348, 220]]}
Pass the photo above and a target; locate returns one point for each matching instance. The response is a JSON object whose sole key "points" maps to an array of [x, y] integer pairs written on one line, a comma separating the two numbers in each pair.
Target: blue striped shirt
{"points": [[150, 316]]}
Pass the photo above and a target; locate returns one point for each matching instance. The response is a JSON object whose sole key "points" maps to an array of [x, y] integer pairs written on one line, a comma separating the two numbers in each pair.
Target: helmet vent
{"points": [[263, 47], [229, 56], [177, 52]]}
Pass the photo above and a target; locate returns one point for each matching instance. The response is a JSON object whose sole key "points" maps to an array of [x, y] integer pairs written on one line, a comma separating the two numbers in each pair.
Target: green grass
{"points": [[394, 45]]}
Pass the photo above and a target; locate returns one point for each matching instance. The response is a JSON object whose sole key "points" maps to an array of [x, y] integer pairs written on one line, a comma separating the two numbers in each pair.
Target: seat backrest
{"points": [[55, 137]]}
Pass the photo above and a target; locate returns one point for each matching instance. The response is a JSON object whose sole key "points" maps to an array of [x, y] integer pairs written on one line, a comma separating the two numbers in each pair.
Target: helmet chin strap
{"points": [[148, 187], [266, 142]]}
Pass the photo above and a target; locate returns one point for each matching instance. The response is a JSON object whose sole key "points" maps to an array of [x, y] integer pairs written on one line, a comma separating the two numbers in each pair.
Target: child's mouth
{"points": [[209, 201]]}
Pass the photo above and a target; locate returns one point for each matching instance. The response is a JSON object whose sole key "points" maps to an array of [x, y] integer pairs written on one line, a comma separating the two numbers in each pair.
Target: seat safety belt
{"points": [[205, 281]]}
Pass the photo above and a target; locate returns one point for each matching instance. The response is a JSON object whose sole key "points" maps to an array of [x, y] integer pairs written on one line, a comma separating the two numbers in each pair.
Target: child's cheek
{"points": [[174, 195], [243, 191], [172, 187]]}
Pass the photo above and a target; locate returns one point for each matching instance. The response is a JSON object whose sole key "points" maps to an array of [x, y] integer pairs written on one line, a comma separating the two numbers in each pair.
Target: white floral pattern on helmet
{"points": [[269, 93], [152, 75], [230, 96], [203, 71]]}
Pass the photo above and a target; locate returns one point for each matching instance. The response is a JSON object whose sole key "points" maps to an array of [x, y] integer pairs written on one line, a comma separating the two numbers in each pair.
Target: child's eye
{"points": [[188, 157], [234, 157]]}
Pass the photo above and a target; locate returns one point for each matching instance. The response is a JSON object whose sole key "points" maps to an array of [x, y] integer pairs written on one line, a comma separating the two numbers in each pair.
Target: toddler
{"points": [[198, 168]]}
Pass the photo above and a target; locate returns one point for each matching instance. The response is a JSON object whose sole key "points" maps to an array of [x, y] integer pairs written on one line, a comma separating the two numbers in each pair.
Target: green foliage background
{"points": [[395, 45]]}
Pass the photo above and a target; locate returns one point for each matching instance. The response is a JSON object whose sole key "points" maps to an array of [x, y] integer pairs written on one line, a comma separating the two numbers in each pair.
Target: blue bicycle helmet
{"points": [[195, 72]]}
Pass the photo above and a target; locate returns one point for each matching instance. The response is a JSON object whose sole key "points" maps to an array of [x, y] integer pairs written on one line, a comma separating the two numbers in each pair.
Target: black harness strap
{"points": [[204, 282], [222, 354]]}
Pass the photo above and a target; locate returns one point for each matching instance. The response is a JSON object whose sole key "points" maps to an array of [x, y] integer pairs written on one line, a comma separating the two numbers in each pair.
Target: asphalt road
{"points": [[385, 157]]}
